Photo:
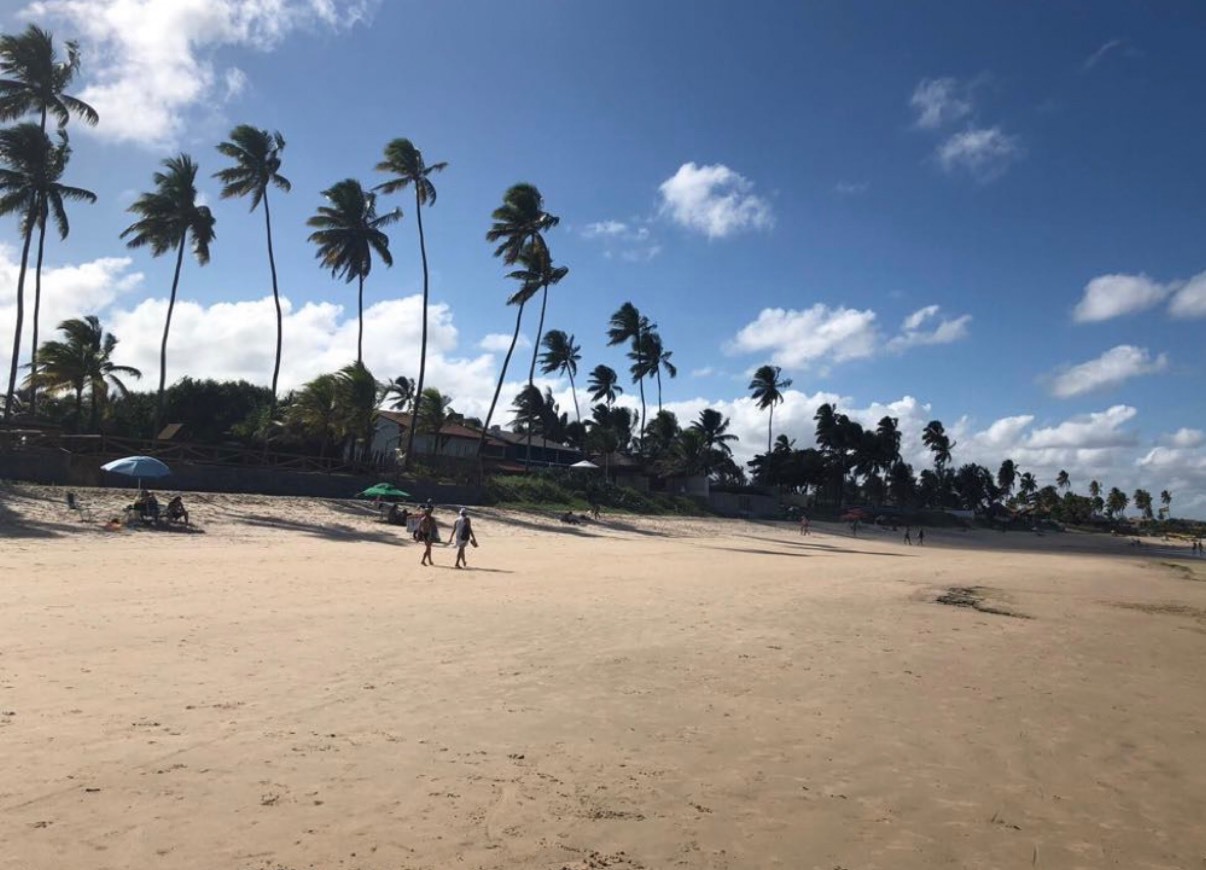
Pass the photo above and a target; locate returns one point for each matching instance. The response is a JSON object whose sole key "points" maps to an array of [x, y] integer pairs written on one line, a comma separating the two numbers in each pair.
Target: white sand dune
{"points": [[286, 687]]}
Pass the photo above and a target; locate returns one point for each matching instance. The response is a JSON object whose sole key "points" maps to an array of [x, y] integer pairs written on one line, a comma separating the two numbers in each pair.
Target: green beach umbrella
{"points": [[384, 490]]}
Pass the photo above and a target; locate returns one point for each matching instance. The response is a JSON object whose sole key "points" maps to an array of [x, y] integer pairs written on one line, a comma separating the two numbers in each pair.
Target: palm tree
{"points": [[83, 359], [435, 412], [1062, 480], [538, 272], [519, 298], [1094, 489], [604, 384], [714, 427], [1116, 502], [520, 220], [653, 359], [257, 162], [30, 169], [1027, 486], [315, 411], [766, 388], [628, 324], [935, 438], [404, 162], [33, 79], [1166, 500], [562, 355], [347, 232], [399, 392], [168, 218], [1007, 476]]}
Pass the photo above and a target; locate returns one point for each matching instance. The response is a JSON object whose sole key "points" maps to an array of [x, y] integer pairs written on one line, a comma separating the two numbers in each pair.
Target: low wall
{"points": [[58, 468]]}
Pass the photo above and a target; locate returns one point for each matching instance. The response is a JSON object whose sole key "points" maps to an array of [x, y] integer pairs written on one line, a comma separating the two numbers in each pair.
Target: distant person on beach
{"points": [[176, 510], [462, 536], [427, 533], [803, 524], [921, 537], [908, 538]]}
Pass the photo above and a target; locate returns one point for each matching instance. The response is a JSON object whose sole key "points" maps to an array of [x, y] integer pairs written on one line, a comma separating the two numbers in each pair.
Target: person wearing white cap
{"points": [[462, 536]]}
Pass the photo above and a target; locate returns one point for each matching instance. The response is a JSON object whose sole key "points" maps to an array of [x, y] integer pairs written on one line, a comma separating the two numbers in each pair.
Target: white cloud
{"points": [[149, 61], [1099, 429], [1185, 437], [605, 229], [67, 291], [852, 188], [631, 242], [705, 372], [824, 336], [1108, 296], [939, 101], [714, 200], [945, 332], [498, 342], [1115, 366], [1190, 299], [982, 152], [816, 335], [1099, 55]]}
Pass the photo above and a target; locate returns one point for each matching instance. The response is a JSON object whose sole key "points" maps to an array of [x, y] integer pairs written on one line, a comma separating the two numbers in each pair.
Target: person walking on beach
{"points": [[921, 537], [462, 536], [803, 524], [427, 532], [908, 538]]}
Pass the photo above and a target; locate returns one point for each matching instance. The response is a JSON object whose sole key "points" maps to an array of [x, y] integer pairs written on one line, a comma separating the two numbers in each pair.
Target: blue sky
{"points": [[792, 183]]}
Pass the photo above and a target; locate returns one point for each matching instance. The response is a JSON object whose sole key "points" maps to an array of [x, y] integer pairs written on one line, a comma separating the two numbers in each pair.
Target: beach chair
{"points": [[74, 504]]}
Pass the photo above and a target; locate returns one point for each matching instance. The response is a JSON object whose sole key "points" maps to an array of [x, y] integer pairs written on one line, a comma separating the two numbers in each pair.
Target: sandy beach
{"points": [[286, 688]]}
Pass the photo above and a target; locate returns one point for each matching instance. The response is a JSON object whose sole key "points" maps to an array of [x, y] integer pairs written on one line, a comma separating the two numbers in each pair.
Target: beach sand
{"points": [[287, 688]]}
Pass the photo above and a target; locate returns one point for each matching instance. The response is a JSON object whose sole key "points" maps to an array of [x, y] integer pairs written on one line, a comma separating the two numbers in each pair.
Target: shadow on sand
{"points": [[330, 532], [13, 525], [763, 552], [559, 528]]}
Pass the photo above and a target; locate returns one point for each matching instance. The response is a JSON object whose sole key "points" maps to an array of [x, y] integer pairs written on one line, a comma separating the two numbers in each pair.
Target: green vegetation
{"points": [[567, 490]]}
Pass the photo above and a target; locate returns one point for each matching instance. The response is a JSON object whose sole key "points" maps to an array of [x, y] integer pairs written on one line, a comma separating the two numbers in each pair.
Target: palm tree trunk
{"points": [[33, 350], [276, 298], [641, 384], [414, 417], [94, 409], [574, 391], [79, 406], [167, 326], [481, 442], [544, 301], [770, 423], [659, 389], [12, 371], [360, 321]]}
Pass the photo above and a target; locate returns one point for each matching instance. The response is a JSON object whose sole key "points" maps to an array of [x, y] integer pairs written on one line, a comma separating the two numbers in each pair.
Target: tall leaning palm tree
{"points": [[562, 355], [537, 273], [34, 80], [766, 388], [257, 163], [627, 324], [170, 218], [519, 299], [347, 231], [604, 384], [655, 360], [83, 360], [30, 172], [404, 163]]}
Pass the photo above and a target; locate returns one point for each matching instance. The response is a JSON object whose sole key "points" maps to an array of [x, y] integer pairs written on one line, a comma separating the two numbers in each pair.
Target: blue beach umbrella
{"points": [[137, 467]]}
